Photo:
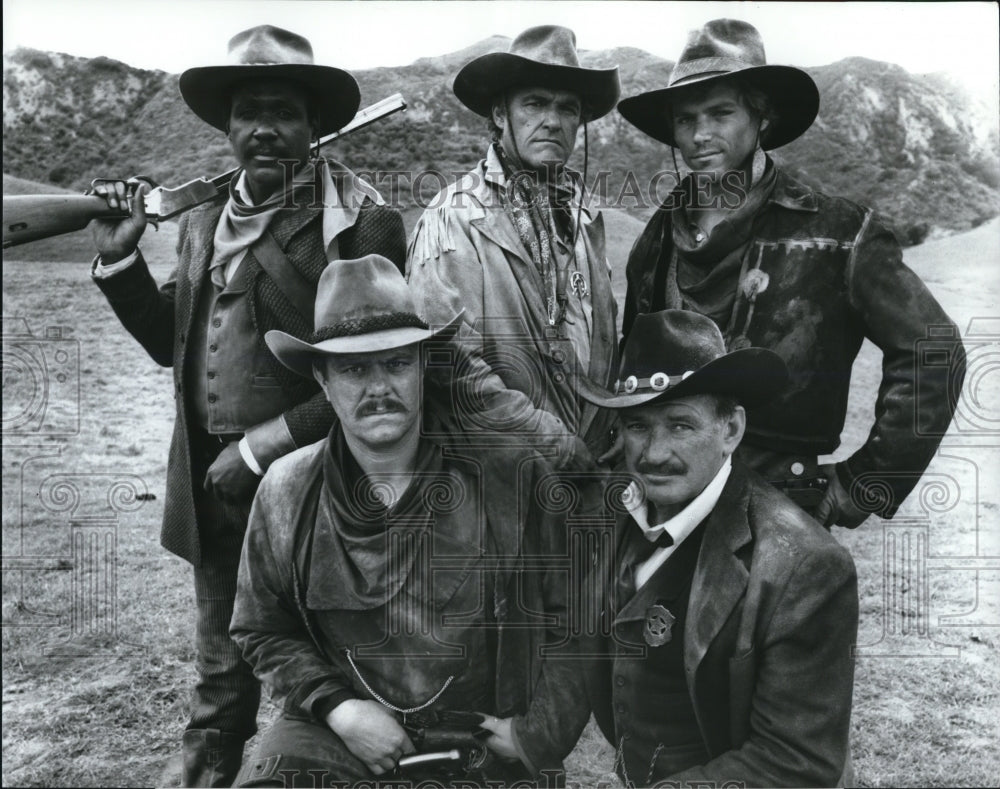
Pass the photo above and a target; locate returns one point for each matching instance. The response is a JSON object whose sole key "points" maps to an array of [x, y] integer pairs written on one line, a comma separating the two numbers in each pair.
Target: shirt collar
{"points": [[685, 521], [241, 189]]}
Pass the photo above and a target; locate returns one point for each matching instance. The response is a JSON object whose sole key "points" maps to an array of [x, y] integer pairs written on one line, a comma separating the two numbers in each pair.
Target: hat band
{"points": [[657, 382], [707, 68], [369, 325]]}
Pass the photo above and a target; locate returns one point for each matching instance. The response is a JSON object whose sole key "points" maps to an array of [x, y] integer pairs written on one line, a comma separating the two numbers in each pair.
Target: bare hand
{"points": [[502, 740], [117, 238], [371, 733], [229, 478], [836, 508]]}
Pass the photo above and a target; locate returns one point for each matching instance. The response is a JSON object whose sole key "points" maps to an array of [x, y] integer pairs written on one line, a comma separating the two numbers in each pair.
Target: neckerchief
{"points": [[242, 223], [364, 565], [537, 211], [704, 276]]}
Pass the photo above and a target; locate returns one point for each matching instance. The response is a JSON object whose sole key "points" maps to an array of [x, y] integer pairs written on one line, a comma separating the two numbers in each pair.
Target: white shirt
{"points": [[679, 526]]}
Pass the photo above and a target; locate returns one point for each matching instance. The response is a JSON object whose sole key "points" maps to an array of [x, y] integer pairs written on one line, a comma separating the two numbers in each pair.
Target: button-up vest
{"points": [[231, 388], [655, 722]]}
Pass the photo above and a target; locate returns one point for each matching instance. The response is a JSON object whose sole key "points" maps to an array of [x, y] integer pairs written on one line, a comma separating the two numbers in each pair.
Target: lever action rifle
{"points": [[33, 217]]}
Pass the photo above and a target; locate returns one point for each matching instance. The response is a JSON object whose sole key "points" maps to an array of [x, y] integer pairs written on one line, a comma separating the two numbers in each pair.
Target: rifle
{"points": [[33, 217]]}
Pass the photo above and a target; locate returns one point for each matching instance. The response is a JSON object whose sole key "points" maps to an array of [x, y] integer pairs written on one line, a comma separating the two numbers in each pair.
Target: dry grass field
{"points": [[98, 619]]}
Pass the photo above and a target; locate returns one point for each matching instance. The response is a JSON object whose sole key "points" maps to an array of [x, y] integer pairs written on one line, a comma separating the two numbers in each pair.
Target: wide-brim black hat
{"points": [[268, 52], [722, 49], [542, 56], [677, 353]]}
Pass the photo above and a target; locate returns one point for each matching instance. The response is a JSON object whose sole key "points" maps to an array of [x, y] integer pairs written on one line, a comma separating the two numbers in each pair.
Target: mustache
{"points": [[384, 405]]}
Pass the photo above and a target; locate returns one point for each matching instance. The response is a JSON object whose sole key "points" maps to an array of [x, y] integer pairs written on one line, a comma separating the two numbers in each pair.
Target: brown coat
{"points": [[773, 617]]}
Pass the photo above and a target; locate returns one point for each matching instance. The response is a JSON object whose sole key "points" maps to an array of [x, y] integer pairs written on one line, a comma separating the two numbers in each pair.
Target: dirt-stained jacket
{"points": [[465, 253], [281, 624], [771, 621], [831, 275]]}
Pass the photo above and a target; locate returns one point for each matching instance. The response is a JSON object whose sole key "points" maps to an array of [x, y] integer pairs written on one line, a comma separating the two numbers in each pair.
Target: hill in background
{"points": [[916, 147]]}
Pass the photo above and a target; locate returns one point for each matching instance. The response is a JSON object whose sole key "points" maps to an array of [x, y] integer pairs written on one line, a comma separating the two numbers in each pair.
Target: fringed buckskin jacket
{"points": [[465, 253]]}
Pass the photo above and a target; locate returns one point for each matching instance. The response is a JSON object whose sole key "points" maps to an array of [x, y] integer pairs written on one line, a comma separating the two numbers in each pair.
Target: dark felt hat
{"points": [[724, 48], [545, 57], [362, 306], [676, 353], [268, 52]]}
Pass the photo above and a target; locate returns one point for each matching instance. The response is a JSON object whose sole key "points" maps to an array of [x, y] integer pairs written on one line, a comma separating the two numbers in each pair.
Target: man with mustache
{"points": [[730, 614], [386, 585], [778, 265], [246, 265], [513, 245]]}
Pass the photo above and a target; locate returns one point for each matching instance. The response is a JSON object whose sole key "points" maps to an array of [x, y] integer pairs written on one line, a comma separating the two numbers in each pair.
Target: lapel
{"points": [[496, 226], [287, 223], [720, 577], [201, 247]]}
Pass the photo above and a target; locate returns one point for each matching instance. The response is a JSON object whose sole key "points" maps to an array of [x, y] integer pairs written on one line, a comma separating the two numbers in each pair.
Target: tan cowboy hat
{"points": [[720, 49], [362, 306], [676, 353], [268, 52], [542, 57]]}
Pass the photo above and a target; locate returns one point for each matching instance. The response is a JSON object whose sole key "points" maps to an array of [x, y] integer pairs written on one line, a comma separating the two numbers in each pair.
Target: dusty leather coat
{"points": [[835, 276], [162, 318], [771, 623], [465, 253], [276, 606]]}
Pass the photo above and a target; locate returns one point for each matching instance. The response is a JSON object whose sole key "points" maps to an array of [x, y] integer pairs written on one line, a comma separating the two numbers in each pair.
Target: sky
{"points": [[957, 37]]}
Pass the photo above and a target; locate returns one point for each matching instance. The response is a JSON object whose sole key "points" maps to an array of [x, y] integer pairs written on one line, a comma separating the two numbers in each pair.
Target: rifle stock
{"points": [[33, 217], [29, 218]]}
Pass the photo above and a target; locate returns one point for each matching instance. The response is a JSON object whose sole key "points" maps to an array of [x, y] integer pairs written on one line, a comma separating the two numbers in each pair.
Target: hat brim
{"points": [[298, 355], [481, 80], [207, 90], [751, 375], [792, 92]]}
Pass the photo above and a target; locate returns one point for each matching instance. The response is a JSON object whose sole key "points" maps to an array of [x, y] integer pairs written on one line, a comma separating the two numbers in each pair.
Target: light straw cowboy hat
{"points": [[268, 52], [362, 306], [676, 353], [543, 57], [725, 48]]}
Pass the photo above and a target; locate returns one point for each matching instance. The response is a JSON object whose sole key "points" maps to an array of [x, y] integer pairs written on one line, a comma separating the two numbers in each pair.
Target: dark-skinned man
{"points": [[778, 265], [246, 265]]}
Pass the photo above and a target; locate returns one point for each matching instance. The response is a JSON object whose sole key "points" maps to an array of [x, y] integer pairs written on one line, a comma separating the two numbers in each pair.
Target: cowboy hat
{"points": [[268, 52], [677, 353], [724, 48], [542, 56], [362, 306]]}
